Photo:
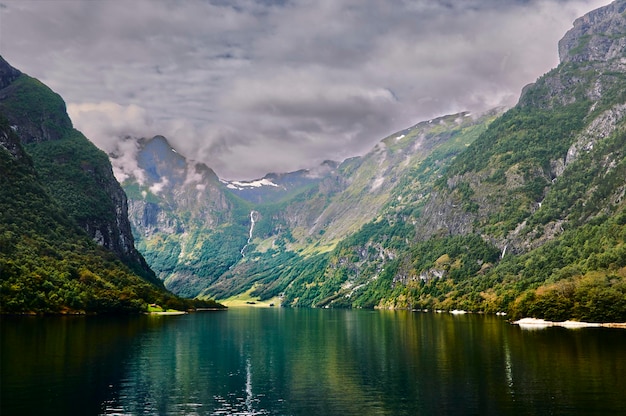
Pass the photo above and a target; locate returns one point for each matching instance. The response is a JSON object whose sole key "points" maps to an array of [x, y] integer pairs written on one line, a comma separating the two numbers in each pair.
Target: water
{"points": [[308, 362]]}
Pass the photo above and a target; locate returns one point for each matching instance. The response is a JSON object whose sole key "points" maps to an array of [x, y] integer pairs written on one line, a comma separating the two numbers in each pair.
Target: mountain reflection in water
{"points": [[253, 361]]}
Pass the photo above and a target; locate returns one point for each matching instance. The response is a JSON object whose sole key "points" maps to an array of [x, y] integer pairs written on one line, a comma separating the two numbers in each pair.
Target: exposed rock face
{"points": [[593, 60], [37, 116], [596, 43], [116, 235], [173, 185], [176, 207], [598, 36], [10, 142], [443, 216], [8, 74], [601, 127]]}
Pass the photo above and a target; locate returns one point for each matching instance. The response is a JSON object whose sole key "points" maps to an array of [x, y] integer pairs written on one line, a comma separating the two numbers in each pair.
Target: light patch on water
{"points": [[241, 406]]}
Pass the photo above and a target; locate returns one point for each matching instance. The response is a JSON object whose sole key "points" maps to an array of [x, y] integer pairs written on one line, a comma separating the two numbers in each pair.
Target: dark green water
{"points": [[308, 362]]}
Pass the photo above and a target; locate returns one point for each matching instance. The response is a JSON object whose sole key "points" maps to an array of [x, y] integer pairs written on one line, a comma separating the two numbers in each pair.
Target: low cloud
{"points": [[156, 188], [114, 129], [251, 86]]}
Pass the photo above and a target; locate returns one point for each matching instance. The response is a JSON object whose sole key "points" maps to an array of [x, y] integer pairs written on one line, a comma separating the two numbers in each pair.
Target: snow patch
{"points": [[252, 184]]}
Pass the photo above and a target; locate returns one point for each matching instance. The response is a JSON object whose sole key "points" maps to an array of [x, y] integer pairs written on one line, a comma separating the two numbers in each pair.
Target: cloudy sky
{"points": [[257, 86]]}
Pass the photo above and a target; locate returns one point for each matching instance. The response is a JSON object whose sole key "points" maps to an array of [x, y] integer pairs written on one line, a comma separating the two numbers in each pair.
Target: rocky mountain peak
{"points": [[160, 160], [597, 36], [8, 74]]}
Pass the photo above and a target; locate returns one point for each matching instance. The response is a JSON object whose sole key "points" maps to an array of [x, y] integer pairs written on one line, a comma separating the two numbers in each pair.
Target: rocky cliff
{"points": [[186, 224], [48, 264], [77, 174], [565, 114], [206, 236], [529, 218], [598, 36]]}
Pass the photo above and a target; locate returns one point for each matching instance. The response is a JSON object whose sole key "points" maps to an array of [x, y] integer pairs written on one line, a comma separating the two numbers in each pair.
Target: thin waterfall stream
{"points": [[252, 222]]}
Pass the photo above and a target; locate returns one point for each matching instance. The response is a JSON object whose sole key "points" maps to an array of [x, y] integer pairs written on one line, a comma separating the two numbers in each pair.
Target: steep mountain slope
{"points": [[524, 212], [364, 226], [188, 227], [281, 219], [47, 263], [65, 241], [511, 170], [75, 172], [529, 219]]}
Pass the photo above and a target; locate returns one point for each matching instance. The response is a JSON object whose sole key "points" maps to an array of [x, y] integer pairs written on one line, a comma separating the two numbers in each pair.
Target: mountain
{"points": [[189, 228], [206, 236], [65, 239], [529, 219], [276, 187], [522, 211], [73, 169], [380, 194]]}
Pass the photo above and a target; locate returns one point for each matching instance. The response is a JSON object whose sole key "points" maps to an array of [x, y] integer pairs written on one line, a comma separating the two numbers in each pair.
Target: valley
{"points": [[519, 211]]}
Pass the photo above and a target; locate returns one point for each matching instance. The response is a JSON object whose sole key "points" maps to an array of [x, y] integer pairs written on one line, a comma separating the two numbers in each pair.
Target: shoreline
{"points": [[535, 323], [166, 313]]}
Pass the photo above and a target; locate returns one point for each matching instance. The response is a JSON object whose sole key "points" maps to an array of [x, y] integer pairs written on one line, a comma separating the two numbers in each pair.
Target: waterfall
{"points": [[252, 221], [503, 252]]}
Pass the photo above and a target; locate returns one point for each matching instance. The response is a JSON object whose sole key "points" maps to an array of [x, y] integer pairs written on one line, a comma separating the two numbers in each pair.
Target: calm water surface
{"points": [[308, 362]]}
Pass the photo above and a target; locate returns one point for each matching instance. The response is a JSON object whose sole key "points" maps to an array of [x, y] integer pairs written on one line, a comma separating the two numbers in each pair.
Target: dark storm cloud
{"points": [[256, 86]]}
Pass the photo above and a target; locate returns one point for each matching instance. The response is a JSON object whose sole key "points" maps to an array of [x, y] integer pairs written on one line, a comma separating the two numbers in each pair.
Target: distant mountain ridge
{"points": [[313, 208], [274, 187]]}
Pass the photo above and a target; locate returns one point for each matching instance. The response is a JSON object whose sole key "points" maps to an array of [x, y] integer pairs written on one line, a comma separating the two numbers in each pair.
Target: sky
{"points": [[257, 86]]}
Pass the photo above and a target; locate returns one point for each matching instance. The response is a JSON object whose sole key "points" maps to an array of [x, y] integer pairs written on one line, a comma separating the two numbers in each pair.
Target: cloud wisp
{"points": [[254, 86]]}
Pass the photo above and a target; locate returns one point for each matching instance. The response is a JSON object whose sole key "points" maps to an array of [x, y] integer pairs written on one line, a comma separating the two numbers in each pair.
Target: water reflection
{"points": [[61, 366], [302, 362]]}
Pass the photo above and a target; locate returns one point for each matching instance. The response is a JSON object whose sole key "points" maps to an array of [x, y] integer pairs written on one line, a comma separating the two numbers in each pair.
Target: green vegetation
{"points": [[564, 226], [74, 169], [49, 265], [38, 110], [189, 262], [527, 135], [302, 267], [54, 190], [483, 215]]}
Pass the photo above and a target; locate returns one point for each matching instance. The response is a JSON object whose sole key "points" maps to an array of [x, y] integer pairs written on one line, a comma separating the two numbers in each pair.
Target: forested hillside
{"points": [[529, 219], [65, 240]]}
